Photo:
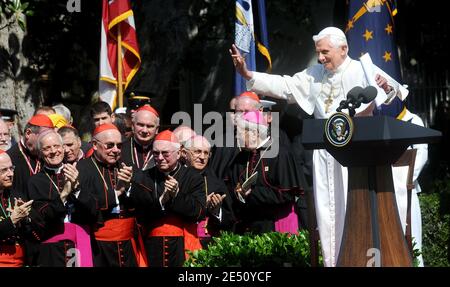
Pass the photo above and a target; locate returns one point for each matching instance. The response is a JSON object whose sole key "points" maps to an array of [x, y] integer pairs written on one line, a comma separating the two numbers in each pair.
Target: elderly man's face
{"points": [[166, 155], [5, 136], [330, 57], [107, 146], [145, 127], [198, 154], [6, 171], [52, 151], [72, 146], [246, 104], [247, 138]]}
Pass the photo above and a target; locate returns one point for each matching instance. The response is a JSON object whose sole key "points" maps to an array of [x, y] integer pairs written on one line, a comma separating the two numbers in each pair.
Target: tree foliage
{"points": [[435, 211]]}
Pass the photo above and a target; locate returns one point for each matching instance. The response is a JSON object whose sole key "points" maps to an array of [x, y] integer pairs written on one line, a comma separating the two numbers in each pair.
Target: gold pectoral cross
{"points": [[328, 103]]}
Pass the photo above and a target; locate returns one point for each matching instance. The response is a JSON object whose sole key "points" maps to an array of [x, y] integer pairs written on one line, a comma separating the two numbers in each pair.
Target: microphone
{"points": [[352, 97], [355, 92], [367, 95]]}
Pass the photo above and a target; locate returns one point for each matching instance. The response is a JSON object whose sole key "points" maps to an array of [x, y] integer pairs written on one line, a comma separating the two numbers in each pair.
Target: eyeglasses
{"points": [[199, 152], [110, 145], [5, 170], [164, 153]]}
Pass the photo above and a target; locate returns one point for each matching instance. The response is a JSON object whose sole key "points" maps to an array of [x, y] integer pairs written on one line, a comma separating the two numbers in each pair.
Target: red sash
{"points": [[122, 230], [11, 255], [173, 226]]}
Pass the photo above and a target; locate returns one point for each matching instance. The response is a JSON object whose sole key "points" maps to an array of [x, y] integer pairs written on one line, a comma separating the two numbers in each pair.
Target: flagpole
{"points": [[119, 67]]}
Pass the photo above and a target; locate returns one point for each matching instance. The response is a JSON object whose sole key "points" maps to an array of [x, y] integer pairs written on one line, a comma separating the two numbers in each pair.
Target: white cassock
{"points": [[399, 175], [312, 89]]}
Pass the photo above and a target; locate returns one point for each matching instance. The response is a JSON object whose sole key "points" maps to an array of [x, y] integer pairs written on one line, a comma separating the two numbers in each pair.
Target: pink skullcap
{"points": [[254, 117]]}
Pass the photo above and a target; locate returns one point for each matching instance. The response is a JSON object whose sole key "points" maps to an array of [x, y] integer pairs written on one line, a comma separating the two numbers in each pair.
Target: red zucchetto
{"points": [[104, 127], [167, 136], [148, 109], [41, 120], [250, 95]]}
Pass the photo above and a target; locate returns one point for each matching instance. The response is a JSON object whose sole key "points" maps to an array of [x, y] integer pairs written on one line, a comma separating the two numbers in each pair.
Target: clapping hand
{"points": [[124, 176], [214, 201], [171, 186], [170, 189], [71, 176], [20, 210]]}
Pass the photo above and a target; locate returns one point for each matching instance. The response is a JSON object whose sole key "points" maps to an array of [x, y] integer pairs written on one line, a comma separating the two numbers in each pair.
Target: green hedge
{"points": [[435, 228], [249, 250]]}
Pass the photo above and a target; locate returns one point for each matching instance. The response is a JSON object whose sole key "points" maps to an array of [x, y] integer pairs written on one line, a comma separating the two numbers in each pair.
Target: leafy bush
{"points": [[435, 229], [249, 250]]}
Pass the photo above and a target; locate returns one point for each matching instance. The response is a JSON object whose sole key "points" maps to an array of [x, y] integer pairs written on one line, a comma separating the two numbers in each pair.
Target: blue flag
{"points": [[245, 37], [370, 29]]}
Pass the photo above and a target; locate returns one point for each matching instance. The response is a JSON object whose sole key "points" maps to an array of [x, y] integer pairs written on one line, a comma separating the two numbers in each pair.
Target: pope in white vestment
{"points": [[400, 175], [318, 90]]}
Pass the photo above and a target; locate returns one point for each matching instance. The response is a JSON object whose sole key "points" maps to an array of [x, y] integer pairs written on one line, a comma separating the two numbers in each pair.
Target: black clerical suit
{"points": [[136, 155], [212, 224], [172, 228], [11, 236], [273, 194], [26, 165], [44, 189], [114, 240]]}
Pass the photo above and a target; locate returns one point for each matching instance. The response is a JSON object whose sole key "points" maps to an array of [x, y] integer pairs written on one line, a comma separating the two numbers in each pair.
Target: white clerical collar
{"points": [[56, 170], [80, 155], [173, 171]]}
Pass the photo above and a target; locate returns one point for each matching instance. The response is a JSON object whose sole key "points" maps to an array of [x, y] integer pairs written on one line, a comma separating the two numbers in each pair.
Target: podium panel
{"points": [[372, 234]]}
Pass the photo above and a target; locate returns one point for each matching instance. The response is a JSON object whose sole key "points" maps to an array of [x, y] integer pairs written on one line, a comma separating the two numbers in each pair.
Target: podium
{"points": [[372, 230]]}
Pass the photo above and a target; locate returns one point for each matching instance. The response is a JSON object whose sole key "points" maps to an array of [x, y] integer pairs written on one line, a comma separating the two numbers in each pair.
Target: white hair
{"points": [[190, 142], [133, 118], [46, 133], [175, 146], [335, 35]]}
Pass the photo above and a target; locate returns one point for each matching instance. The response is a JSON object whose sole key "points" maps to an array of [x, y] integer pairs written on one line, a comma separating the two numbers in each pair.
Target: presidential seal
{"points": [[339, 129]]}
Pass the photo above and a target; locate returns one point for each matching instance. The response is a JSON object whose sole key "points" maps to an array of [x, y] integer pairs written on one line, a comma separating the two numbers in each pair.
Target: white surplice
{"points": [[400, 175]]}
